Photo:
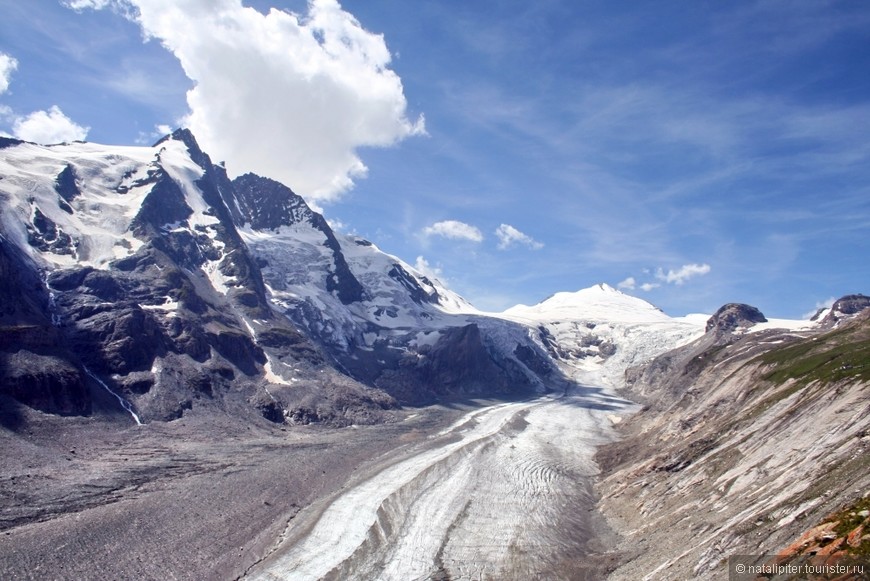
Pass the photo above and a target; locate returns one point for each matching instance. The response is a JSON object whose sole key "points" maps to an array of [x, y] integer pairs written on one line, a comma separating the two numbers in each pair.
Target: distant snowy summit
{"points": [[599, 302], [600, 331]]}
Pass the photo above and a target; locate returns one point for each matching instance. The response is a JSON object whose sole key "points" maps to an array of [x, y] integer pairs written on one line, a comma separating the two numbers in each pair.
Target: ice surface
{"points": [[491, 497]]}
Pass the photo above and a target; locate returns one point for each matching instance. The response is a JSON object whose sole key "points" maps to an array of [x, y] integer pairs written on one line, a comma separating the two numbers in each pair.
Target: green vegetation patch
{"points": [[829, 358], [849, 519]]}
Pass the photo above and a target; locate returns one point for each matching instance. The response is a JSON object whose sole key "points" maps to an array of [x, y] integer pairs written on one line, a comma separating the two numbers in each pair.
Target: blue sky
{"points": [[691, 153]]}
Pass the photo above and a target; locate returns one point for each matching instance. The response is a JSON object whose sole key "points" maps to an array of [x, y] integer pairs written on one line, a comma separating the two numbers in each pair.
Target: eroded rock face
{"points": [[160, 297], [35, 367], [458, 366], [708, 468], [733, 316]]}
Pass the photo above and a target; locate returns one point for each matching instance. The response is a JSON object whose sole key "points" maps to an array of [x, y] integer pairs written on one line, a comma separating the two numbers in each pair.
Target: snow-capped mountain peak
{"points": [[601, 331], [600, 302]]}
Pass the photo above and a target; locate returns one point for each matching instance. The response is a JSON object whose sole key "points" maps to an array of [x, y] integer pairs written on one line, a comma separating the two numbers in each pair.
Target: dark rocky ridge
{"points": [[267, 205], [66, 185], [152, 329], [35, 368]]}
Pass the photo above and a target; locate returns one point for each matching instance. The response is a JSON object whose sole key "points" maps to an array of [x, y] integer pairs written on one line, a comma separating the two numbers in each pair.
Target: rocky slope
{"points": [[142, 280], [747, 439]]}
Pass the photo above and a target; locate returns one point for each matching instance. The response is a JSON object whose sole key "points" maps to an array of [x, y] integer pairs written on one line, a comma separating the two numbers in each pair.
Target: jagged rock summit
{"points": [[143, 281]]}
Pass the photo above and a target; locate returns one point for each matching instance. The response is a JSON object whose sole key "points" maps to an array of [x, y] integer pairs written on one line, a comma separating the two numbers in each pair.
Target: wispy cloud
{"points": [[455, 230], [7, 67], [676, 277], [432, 271], [93, 4], [682, 274], [825, 304], [508, 236]]}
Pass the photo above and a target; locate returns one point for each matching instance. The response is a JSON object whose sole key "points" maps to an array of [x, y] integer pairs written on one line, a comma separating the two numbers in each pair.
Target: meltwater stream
{"points": [[128, 407], [503, 494], [57, 321]]}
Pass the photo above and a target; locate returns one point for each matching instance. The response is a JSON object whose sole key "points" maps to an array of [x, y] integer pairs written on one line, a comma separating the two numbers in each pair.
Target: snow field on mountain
{"points": [[101, 216]]}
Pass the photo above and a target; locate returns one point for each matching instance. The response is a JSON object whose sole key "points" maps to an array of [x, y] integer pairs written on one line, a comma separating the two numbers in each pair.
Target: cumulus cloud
{"points": [[48, 127], [683, 274], [287, 96], [508, 236], [648, 286], [7, 66], [455, 230], [629, 284], [44, 127]]}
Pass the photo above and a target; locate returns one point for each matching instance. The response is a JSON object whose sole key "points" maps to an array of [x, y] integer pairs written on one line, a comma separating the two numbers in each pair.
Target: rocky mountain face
{"points": [[142, 281], [751, 440], [143, 284]]}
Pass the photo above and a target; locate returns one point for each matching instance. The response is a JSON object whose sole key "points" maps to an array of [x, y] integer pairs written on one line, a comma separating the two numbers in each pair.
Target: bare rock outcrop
{"points": [[733, 316]]}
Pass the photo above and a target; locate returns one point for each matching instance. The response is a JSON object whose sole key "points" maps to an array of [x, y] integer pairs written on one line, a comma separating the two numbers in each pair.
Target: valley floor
{"points": [[495, 490]]}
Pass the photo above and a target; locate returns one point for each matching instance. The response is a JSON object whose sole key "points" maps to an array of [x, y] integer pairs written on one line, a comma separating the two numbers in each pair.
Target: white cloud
{"points": [[48, 127], [455, 230], [287, 96], [7, 66], [677, 277], [629, 284], [508, 235], [684, 273], [826, 304], [44, 127], [82, 4], [149, 137], [422, 266]]}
